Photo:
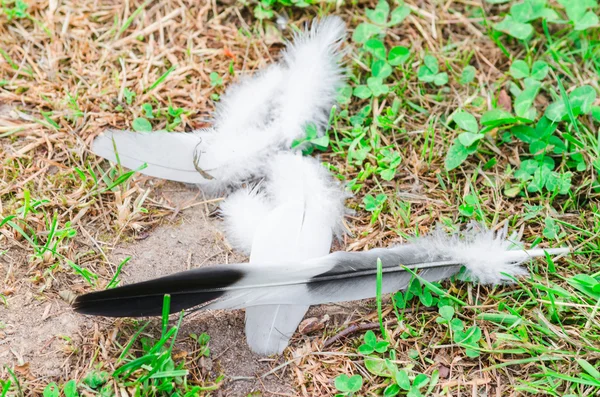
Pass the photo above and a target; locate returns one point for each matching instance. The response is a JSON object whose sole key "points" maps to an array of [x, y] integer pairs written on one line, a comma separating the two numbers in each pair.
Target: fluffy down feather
{"points": [[242, 212], [486, 254], [313, 77]]}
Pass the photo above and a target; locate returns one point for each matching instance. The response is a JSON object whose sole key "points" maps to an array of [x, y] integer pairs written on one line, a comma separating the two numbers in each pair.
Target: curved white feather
{"points": [[256, 118]]}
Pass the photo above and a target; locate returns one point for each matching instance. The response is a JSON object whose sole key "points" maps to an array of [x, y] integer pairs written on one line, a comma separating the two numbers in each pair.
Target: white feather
{"points": [[290, 178], [261, 116], [257, 118], [289, 231], [211, 160], [308, 206]]}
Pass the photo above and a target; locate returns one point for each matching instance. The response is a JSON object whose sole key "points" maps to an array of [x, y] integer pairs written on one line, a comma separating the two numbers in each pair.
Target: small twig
{"points": [[367, 326], [352, 329], [238, 378], [48, 343]]}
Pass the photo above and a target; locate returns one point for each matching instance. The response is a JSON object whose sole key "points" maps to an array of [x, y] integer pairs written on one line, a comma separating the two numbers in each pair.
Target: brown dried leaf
{"points": [[67, 295], [313, 324], [504, 101], [22, 369]]}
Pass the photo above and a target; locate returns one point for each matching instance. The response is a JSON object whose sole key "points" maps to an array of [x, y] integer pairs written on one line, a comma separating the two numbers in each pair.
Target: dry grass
{"points": [[67, 73]]}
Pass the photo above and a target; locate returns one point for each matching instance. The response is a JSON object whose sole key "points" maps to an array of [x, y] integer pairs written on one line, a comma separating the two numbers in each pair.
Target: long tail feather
{"points": [[337, 277]]}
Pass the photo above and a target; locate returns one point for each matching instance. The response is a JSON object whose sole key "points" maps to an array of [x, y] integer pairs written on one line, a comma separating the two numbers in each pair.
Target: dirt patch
{"points": [[37, 334]]}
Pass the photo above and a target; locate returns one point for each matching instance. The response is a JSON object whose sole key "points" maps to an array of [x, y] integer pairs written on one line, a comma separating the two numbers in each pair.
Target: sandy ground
{"points": [[41, 335]]}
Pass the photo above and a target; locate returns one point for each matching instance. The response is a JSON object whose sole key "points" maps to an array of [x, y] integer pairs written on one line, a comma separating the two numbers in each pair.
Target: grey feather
{"points": [[168, 155], [490, 257]]}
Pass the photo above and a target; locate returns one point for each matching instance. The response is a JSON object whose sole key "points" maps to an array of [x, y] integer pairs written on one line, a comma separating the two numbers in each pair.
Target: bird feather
{"points": [[307, 205], [337, 277], [257, 118]]}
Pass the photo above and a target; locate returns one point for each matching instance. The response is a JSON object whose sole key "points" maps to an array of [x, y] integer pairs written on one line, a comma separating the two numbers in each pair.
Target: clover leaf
{"points": [[348, 384], [429, 72], [580, 102], [380, 18], [372, 345], [517, 23], [581, 13]]}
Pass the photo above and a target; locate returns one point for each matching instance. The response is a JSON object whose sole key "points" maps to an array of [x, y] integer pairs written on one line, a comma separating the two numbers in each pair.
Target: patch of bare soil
{"points": [[43, 338], [37, 330]]}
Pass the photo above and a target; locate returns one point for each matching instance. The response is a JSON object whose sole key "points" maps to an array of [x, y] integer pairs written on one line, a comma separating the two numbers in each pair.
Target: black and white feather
{"points": [[341, 276]]}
